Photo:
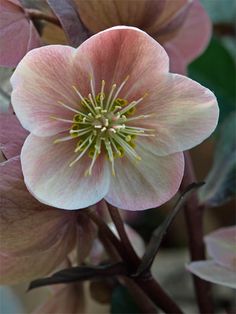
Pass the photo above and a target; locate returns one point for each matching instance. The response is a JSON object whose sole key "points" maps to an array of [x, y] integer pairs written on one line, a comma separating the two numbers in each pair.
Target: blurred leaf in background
{"points": [[216, 70], [221, 181], [122, 302], [9, 302], [216, 67]]}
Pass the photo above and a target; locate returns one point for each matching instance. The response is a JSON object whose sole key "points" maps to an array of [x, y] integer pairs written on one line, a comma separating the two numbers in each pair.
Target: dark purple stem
{"points": [[35, 14], [194, 223]]}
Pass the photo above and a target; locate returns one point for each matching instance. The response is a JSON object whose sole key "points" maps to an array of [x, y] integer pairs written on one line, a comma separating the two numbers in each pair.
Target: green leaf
{"points": [[216, 70], [122, 302], [220, 10], [221, 181]]}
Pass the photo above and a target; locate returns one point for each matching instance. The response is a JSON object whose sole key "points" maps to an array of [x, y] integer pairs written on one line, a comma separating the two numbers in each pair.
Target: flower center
{"points": [[103, 125]]}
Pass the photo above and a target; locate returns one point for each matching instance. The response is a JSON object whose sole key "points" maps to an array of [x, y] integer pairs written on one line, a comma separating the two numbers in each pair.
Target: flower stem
{"points": [[155, 292], [35, 14], [194, 223], [129, 250], [145, 281]]}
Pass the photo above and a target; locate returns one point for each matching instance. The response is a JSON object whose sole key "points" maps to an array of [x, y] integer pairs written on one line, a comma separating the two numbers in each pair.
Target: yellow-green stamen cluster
{"points": [[102, 126]]}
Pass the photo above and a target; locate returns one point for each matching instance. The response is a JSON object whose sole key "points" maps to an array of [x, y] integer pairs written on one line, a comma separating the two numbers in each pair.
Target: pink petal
{"points": [[194, 35], [221, 246], [184, 114], [21, 214], [47, 75], [68, 299], [147, 183], [210, 271], [15, 25], [129, 52], [51, 180], [12, 135], [177, 62]]}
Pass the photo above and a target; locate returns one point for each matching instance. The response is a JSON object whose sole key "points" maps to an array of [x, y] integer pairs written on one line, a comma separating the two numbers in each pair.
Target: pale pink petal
{"points": [[221, 246], [51, 180], [184, 114], [17, 33], [210, 271], [12, 135], [194, 35], [46, 75], [16, 268], [144, 184], [26, 225], [69, 299]]}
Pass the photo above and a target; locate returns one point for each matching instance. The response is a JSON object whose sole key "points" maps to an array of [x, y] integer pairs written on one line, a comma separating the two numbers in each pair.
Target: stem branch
{"points": [[131, 255]]}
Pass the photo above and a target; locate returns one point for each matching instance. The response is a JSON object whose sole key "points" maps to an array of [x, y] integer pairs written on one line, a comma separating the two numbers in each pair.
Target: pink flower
{"points": [[35, 238], [221, 247], [107, 120], [17, 33], [181, 26]]}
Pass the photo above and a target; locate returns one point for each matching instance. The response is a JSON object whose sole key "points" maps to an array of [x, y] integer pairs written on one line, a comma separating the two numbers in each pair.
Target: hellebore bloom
{"points": [[221, 247], [182, 27], [107, 120], [35, 238], [17, 33]]}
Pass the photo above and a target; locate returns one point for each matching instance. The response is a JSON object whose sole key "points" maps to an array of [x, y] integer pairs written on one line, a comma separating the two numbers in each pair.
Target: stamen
{"points": [[63, 139], [60, 119], [117, 92], [102, 94], [115, 147], [143, 116], [92, 88], [127, 147], [67, 107], [131, 105], [90, 139], [110, 95], [83, 100], [92, 102], [110, 155], [81, 132], [80, 155]]}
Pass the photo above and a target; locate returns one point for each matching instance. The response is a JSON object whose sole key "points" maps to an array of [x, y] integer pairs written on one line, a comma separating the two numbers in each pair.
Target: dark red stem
{"points": [[194, 223]]}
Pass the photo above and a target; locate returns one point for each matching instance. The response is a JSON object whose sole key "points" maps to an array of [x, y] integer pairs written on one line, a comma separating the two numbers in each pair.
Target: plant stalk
{"points": [[194, 223]]}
